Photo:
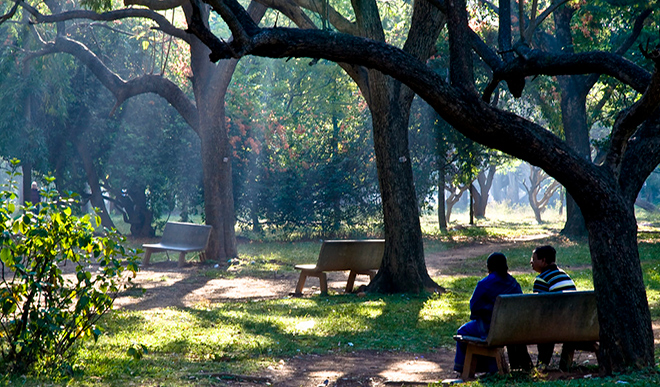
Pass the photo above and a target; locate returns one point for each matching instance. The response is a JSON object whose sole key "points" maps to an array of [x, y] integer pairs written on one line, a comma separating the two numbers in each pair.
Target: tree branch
{"points": [[537, 62], [156, 5], [291, 10], [536, 21], [11, 12], [337, 20], [163, 24], [121, 89], [630, 119]]}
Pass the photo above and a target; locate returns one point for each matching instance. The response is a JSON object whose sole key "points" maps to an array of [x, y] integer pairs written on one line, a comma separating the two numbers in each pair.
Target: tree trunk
{"points": [[574, 117], [442, 218], [626, 335], [485, 180], [96, 197], [218, 189], [403, 268], [139, 215], [472, 192], [574, 227], [26, 168]]}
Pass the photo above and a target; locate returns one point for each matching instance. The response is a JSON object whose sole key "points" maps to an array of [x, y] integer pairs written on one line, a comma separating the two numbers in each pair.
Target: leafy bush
{"points": [[44, 311]]}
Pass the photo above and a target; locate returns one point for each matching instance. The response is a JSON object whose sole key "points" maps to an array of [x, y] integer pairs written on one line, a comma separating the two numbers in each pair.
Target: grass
{"points": [[177, 345]]}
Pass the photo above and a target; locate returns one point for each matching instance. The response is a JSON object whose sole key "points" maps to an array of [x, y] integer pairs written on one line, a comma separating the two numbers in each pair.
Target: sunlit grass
{"points": [[246, 337]]}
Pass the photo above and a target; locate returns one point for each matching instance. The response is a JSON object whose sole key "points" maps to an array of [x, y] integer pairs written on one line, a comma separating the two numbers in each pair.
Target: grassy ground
{"points": [[170, 346]]}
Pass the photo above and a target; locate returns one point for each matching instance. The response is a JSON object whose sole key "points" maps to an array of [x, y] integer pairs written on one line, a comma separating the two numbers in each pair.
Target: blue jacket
{"points": [[483, 298]]}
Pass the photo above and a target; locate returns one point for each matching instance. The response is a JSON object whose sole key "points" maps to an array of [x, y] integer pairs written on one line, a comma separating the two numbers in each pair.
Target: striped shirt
{"points": [[553, 279]]}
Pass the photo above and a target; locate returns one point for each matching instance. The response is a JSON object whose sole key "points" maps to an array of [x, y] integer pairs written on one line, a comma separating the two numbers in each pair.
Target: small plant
{"points": [[43, 311]]}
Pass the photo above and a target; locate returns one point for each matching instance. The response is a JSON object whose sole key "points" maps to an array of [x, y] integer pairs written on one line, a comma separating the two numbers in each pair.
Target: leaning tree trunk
{"points": [[403, 268], [626, 335]]}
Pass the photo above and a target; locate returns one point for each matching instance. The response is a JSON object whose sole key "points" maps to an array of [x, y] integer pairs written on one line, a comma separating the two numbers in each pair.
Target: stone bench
{"points": [[569, 317], [358, 256], [181, 237]]}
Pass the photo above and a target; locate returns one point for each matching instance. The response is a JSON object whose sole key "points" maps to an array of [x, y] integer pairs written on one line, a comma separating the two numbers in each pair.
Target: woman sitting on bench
{"points": [[482, 302]]}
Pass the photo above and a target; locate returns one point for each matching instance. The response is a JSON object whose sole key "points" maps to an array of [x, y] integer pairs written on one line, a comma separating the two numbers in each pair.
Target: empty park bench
{"points": [[570, 318], [358, 256], [181, 237]]}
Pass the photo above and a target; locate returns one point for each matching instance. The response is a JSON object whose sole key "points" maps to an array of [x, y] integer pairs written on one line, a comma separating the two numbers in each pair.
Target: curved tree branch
{"points": [[123, 90], [163, 24]]}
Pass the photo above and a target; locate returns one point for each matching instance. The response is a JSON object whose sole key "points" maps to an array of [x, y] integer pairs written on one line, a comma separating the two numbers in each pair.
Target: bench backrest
{"points": [[186, 234], [544, 318], [358, 255]]}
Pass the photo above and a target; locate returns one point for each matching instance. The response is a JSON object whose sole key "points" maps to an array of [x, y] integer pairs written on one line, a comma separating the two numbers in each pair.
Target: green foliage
{"points": [[97, 5], [46, 307]]}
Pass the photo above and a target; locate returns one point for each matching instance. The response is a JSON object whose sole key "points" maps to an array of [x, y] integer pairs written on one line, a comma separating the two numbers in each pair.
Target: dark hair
{"points": [[496, 263], [546, 253]]}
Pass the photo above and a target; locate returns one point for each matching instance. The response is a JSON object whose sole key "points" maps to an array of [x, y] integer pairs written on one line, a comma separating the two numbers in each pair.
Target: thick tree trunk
{"points": [[626, 335], [218, 190], [403, 268]]}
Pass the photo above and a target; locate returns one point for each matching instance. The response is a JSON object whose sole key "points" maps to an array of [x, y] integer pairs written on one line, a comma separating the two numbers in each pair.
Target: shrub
{"points": [[44, 312]]}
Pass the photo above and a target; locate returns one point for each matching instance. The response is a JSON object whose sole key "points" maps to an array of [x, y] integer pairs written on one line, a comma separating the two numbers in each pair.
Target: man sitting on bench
{"points": [[482, 302], [550, 279]]}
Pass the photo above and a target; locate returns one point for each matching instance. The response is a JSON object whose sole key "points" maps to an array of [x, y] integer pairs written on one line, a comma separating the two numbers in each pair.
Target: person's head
{"points": [[542, 257], [34, 185], [496, 263]]}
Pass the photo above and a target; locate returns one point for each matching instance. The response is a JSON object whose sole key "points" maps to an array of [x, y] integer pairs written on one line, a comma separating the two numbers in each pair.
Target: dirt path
{"points": [[163, 285]]}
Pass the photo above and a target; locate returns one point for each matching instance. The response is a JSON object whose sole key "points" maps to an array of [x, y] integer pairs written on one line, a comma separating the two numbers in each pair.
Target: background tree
{"points": [[539, 183]]}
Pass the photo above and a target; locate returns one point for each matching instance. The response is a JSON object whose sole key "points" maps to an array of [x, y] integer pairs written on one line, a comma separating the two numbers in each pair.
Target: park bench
{"points": [[358, 256], [181, 237], [569, 317]]}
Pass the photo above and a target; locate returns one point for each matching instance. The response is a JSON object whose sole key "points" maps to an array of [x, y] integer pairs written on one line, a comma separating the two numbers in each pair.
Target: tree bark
{"points": [[626, 338], [403, 268]]}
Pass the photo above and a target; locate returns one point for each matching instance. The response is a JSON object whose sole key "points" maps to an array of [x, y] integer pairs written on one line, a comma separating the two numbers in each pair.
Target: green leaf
{"points": [[5, 255]]}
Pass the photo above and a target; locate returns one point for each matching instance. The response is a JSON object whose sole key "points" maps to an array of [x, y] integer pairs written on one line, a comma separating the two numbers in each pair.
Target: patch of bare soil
{"points": [[164, 285]]}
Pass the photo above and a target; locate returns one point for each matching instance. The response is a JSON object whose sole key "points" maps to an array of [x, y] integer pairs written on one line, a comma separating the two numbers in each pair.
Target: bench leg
{"points": [[182, 259], [323, 278], [301, 284], [568, 353], [351, 282], [147, 257], [502, 365], [470, 366]]}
